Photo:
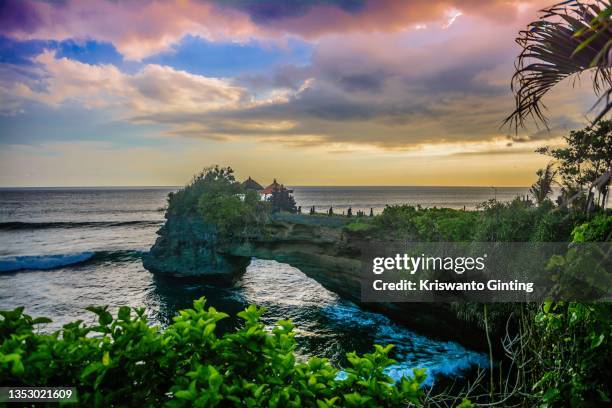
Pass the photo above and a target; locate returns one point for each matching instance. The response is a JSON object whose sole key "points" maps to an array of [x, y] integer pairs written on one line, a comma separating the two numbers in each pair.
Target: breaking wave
{"points": [[7, 226], [449, 358], [54, 261]]}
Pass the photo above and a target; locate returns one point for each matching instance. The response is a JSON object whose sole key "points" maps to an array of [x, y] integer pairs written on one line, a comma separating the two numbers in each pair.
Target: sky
{"points": [[321, 92]]}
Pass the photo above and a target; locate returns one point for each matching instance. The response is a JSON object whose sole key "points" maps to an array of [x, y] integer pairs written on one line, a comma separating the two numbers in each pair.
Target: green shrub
{"points": [[122, 361], [553, 226], [516, 221], [573, 338], [216, 196], [573, 354], [599, 229], [359, 226], [185, 201], [427, 224], [233, 210]]}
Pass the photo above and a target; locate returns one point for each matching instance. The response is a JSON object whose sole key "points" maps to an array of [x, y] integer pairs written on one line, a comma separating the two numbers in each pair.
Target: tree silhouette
{"points": [[542, 188], [282, 200]]}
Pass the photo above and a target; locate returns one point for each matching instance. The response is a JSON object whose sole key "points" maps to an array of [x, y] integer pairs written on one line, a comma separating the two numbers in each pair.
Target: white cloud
{"points": [[155, 89]]}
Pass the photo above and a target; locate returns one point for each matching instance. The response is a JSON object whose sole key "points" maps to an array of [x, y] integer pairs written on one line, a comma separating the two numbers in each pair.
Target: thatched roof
{"points": [[274, 187], [271, 188], [251, 184]]}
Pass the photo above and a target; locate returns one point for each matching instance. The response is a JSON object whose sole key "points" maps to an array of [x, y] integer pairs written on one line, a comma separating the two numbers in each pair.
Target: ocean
{"points": [[64, 249]]}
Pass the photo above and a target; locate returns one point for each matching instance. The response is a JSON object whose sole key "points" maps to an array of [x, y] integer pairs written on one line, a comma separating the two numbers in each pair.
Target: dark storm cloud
{"points": [[367, 82], [563, 125], [464, 79], [263, 11], [19, 15]]}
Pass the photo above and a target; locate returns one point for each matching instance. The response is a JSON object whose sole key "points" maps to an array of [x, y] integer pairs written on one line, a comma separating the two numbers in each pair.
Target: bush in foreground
{"points": [[123, 361]]}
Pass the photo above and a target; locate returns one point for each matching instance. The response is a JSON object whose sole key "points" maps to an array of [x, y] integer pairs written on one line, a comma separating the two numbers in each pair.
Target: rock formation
{"points": [[318, 246]]}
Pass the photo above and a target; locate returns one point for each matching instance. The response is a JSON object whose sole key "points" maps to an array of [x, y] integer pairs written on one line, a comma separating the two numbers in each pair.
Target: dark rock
{"points": [[187, 247], [318, 246]]}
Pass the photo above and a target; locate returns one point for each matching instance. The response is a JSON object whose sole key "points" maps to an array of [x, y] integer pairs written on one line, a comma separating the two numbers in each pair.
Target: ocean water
{"points": [[62, 250]]}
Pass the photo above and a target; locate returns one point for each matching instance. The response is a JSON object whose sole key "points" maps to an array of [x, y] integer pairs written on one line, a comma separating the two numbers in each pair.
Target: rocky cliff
{"points": [[319, 246], [188, 247]]}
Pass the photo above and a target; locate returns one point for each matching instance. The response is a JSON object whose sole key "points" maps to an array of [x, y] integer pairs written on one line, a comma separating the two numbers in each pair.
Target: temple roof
{"points": [[271, 188], [251, 184], [274, 186]]}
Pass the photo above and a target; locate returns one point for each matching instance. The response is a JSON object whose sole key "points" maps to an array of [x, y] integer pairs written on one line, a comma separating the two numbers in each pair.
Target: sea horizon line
{"points": [[128, 187]]}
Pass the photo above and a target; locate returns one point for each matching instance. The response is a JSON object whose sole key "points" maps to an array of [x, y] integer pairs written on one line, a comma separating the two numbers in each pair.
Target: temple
{"points": [[251, 184], [265, 192]]}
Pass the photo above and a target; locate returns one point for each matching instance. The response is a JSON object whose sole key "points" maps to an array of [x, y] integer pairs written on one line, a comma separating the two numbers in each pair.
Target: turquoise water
{"points": [[63, 250]]}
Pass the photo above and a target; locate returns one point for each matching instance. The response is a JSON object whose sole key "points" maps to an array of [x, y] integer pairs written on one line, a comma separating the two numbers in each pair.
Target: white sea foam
{"points": [[444, 358]]}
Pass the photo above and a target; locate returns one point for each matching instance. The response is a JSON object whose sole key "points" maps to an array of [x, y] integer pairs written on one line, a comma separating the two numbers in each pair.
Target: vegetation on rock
{"points": [[216, 196]]}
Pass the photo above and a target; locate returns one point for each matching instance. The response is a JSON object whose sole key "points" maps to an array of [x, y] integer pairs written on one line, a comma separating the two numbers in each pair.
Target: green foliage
{"points": [[282, 200], [215, 195], [516, 221], [563, 358], [584, 270], [507, 222], [554, 226], [587, 156], [542, 188], [232, 210], [359, 225], [185, 201], [599, 229], [432, 224], [574, 364], [559, 353], [123, 361], [466, 403]]}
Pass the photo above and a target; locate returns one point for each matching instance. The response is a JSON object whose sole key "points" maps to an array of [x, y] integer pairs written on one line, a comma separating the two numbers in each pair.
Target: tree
{"points": [[212, 180], [568, 39], [231, 208], [282, 200], [587, 156], [542, 188], [216, 196]]}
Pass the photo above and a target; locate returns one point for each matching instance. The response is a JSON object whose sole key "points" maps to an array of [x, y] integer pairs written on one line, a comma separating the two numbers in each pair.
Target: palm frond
{"points": [[569, 38]]}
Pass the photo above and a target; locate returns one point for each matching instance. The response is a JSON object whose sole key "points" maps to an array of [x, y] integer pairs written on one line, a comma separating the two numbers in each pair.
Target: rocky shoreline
{"points": [[189, 248]]}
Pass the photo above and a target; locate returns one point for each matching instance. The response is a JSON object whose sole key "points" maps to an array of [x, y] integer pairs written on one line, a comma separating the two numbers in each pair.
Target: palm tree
{"points": [[568, 39], [542, 188]]}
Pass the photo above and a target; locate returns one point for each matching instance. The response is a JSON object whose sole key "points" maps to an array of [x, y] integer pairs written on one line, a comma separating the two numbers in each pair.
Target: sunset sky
{"points": [[324, 92]]}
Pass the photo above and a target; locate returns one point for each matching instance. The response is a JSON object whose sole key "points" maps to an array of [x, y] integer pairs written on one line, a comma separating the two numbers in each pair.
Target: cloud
{"points": [[391, 90], [387, 15], [140, 28], [152, 90], [137, 28], [154, 94]]}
